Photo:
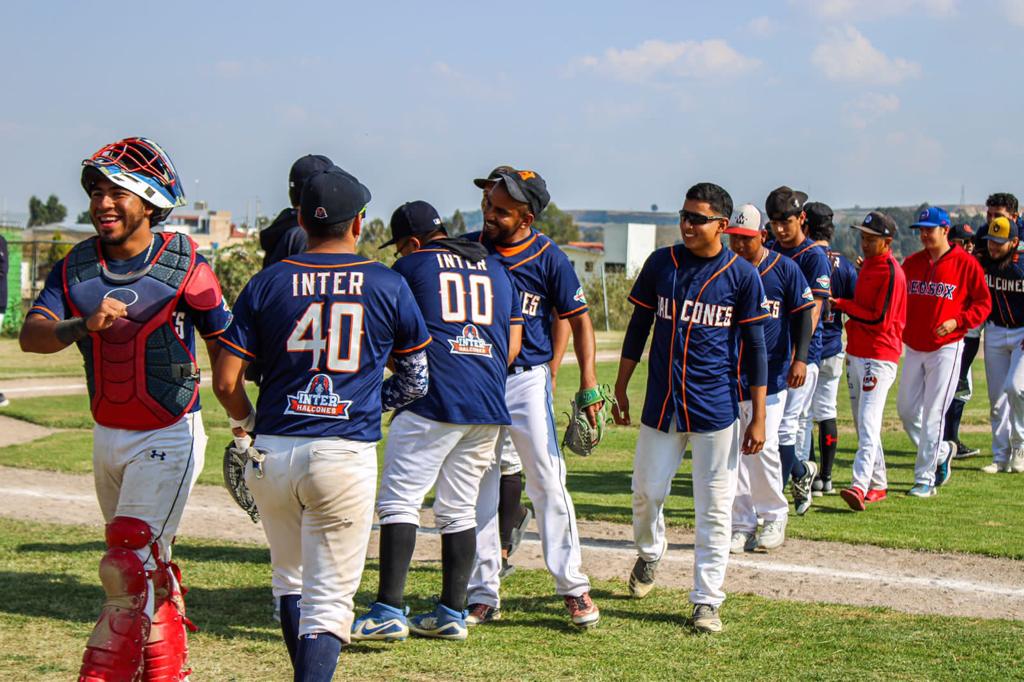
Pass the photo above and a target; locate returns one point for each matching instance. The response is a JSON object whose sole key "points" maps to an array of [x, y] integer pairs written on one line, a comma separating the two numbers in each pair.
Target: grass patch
{"points": [[50, 597]]}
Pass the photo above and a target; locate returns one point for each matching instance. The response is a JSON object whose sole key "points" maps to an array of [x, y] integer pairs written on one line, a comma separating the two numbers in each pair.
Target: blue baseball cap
{"points": [[330, 197], [933, 216], [412, 218]]}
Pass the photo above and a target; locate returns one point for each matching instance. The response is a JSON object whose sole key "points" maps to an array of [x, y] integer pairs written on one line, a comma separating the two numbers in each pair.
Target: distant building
{"points": [[586, 258], [623, 250], [210, 229]]}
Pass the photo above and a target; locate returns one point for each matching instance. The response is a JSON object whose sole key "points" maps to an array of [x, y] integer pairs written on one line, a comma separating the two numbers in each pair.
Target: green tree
{"points": [[40, 213], [619, 307], [84, 218], [235, 265], [456, 225], [375, 233], [557, 224]]}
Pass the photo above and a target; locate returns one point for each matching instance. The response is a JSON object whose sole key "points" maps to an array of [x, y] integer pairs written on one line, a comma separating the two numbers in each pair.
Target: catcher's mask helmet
{"points": [[143, 168]]}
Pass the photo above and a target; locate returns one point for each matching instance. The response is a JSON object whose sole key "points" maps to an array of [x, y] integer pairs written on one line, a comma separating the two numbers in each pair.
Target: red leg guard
{"points": [[166, 652]]}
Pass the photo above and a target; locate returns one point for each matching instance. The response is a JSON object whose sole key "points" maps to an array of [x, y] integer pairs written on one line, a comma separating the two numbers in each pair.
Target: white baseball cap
{"points": [[745, 221]]}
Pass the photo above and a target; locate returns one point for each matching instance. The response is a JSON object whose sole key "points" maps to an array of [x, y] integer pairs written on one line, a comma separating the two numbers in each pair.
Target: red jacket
{"points": [[878, 310], [951, 288]]}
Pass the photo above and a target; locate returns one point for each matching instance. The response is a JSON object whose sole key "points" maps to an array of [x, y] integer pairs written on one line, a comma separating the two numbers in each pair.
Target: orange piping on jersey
{"points": [[339, 265], [215, 334], [527, 260], [509, 251], [753, 319], [778, 256], [1007, 302], [806, 248], [671, 348], [41, 309], [802, 307], [686, 343], [236, 347], [563, 316], [672, 252], [412, 350], [640, 303], [739, 375]]}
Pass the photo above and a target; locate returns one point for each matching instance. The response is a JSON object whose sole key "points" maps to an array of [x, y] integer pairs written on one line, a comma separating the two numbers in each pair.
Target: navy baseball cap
{"points": [[300, 172], [1002, 230], [962, 232], [818, 214], [933, 216], [878, 224], [527, 187], [412, 218], [330, 197], [783, 202], [482, 183]]}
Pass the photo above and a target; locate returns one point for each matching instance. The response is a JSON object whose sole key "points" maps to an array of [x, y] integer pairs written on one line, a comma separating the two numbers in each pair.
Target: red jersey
{"points": [[951, 288], [878, 310]]}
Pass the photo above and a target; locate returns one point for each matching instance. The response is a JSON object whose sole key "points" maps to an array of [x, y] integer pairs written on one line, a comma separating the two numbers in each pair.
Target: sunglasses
{"points": [[698, 219]]}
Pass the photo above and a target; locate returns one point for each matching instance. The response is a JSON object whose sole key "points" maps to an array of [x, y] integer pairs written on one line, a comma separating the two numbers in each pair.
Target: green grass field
{"points": [[51, 597]]}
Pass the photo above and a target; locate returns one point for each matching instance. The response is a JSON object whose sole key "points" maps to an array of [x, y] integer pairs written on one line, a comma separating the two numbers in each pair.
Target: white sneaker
{"points": [[742, 541], [1016, 463], [995, 468], [773, 534]]}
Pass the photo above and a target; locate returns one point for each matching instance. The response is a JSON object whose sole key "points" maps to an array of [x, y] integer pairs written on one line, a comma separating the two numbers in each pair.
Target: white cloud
{"points": [[846, 55], [762, 27], [861, 113], [651, 58], [1014, 11], [874, 9]]}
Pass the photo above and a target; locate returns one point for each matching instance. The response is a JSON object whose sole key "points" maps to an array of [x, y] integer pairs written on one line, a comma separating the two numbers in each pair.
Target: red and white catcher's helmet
{"points": [[143, 168]]}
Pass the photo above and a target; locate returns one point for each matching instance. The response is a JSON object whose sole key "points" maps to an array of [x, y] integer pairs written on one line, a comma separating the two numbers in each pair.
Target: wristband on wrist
{"points": [[246, 424], [71, 331]]}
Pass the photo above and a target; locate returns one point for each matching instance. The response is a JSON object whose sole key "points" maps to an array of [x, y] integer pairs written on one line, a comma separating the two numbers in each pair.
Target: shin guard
{"points": [[166, 652]]}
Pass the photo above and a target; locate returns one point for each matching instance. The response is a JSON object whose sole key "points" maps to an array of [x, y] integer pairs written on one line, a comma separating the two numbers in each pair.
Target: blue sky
{"points": [[618, 105]]}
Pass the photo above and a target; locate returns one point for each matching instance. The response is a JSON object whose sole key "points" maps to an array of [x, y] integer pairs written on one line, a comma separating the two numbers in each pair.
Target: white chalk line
{"points": [[55, 388]]}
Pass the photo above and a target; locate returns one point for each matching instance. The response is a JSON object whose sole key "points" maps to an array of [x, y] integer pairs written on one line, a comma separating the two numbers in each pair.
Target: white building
{"points": [[624, 250]]}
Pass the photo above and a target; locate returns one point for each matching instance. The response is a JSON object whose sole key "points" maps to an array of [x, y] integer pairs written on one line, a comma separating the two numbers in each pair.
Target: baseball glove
{"points": [[236, 459], [580, 436]]}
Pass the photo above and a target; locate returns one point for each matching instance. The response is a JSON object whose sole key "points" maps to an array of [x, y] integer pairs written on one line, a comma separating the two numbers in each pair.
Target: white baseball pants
{"points": [[869, 381], [1004, 372], [533, 432], [796, 418], [316, 501], [759, 476], [508, 456], [420, 452], [149, 475], [926, 388], [826, 391], [657, 459]]}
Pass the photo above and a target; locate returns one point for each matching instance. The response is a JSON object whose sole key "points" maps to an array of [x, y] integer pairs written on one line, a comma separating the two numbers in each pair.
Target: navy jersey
{"points": [[699, 304], [844, 279], [546, 280], [468, 308], [1007, 288], [52, 302], [787, 293], [322, 326], [813, 262]]}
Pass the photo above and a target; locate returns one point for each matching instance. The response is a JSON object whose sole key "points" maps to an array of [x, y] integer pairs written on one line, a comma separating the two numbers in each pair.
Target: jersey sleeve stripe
{"points": [[326, 267], [802, 307], [573, 313], [753, 319], [44, 312], [213, 335], [236, 348], [527, 260], [824, 293], [640, 303], [406, 351]]}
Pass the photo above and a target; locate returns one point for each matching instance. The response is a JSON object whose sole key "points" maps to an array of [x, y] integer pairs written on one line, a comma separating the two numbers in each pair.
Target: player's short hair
{"points": [[333, 231], [820, 233], [717, 197], [1003, 200]]}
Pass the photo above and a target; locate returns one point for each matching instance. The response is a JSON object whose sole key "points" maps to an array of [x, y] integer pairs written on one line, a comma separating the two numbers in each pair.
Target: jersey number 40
{"points": [[454, 299], [308, 337]]}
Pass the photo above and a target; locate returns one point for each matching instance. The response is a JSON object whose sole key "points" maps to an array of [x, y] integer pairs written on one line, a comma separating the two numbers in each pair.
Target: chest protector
{"points": [[141, 374]]}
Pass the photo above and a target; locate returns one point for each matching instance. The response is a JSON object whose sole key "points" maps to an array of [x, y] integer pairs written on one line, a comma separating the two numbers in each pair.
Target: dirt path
{"points": [[16, 431], [803, 570]]}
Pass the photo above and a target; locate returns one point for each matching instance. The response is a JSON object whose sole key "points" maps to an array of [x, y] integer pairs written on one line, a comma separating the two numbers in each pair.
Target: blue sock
{"points": [[787, 453], [290, 623], [317, 657], [799, 469]]}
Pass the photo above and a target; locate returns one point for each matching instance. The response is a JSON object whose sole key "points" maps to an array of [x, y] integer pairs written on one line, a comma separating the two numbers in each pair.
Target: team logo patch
{"points": [[320, 213], [470, 343], [869, 382], [318, 399], [766, 304], [806, 294], [579, 296], [824, 281]]}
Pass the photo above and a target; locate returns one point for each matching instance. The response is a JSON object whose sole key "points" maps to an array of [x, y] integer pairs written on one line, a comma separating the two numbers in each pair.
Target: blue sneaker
{"points": [[923, 490], [945, 470], [382, 623], [441, 623]]}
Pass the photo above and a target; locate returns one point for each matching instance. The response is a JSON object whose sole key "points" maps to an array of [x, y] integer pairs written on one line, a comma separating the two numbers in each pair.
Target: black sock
{"points": [[810, 447], [828, 443], [290, 623], [954, 414], [458, 551], [787, 453], [397, 543], [509, 506], [317, 657]]}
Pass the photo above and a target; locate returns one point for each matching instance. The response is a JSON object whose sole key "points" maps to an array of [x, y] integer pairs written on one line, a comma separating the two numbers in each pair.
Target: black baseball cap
{"points": [[526, 186], [482, 183], [412, 218], [963, 232], [819, 215], [330, 197], [877, 223], [783, 202], [300, 172]]}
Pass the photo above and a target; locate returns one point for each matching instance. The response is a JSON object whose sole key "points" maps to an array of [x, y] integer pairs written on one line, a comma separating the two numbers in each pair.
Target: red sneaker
{"points": [[853, 497], [876, 495], [583, 611]]}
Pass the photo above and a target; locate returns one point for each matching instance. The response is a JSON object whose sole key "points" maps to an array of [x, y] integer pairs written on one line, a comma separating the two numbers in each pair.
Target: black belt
{"points": [[518, 370]]}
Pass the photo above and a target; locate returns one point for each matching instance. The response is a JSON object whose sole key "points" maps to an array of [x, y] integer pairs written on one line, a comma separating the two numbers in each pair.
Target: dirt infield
{"points": [[803, 570]]}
